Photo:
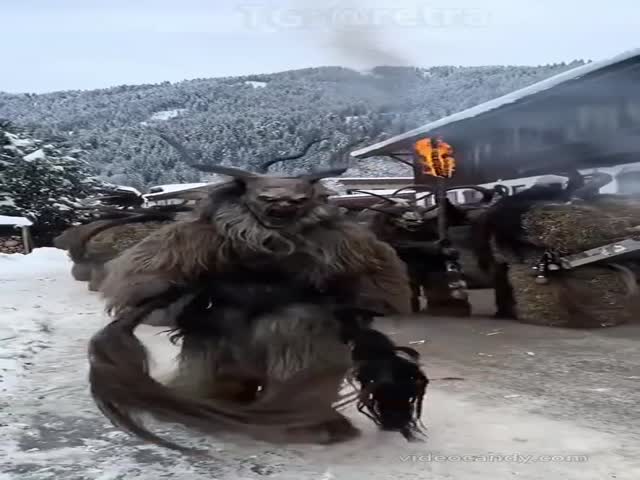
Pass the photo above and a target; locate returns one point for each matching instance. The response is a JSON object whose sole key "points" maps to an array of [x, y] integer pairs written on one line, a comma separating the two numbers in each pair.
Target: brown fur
{"points": [[328, 245], [81, 272], [296, 351]]}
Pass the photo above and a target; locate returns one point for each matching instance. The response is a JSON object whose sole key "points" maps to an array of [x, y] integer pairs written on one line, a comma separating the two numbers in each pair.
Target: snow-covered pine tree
{"points": [[43, 182]]}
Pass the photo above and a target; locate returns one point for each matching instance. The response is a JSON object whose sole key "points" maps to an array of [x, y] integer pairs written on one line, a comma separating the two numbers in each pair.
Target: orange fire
{"points": [[437, 157]]}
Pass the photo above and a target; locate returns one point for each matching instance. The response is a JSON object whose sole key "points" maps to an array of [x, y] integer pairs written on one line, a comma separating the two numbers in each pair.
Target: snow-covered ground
{"points": [[518, 400]]}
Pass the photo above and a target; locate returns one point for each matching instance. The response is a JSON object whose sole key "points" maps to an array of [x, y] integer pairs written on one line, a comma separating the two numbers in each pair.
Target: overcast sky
{"points": [[48, 45]]}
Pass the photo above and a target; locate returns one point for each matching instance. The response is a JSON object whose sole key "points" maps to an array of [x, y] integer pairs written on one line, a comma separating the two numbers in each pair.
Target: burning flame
{"points": [[437, 157]]}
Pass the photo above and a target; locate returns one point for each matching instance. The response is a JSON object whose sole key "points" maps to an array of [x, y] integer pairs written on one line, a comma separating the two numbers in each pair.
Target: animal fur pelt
{"points": [[268, 270], [392, 385]]}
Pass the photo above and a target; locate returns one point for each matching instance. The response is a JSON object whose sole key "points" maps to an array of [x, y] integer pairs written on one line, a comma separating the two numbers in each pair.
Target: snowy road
{"points": [[527, 394]]}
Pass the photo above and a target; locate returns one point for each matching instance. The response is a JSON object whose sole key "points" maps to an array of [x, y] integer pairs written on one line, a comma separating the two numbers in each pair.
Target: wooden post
{"points": [[26, 239], [441, 200]]}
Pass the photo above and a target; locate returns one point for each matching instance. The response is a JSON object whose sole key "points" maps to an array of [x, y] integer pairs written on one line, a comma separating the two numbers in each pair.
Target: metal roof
{"points": [[390, 145]]}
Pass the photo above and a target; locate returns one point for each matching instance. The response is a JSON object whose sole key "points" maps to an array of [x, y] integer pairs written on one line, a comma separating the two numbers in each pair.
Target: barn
{"points": [[585, 118]]}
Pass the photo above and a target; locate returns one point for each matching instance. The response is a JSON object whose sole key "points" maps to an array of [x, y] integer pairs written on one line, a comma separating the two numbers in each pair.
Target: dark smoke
{"points": [[366, 47], [356, 32]]}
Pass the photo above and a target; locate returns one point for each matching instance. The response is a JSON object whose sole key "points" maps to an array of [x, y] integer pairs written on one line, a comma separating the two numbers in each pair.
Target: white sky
{"points": [[48, 45]]}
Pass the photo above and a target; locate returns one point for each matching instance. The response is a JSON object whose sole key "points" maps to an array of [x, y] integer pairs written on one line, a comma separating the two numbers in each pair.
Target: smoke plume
{"points": [[355, 30]]}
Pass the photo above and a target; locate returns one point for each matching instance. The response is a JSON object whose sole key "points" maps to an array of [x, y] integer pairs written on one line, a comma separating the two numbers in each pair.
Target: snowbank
{"points": [[37, 262], [26, 314], [133, 190]]}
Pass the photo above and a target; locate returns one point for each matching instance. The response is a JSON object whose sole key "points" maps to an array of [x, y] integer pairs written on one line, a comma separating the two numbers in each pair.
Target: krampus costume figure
{"points": [[280, 290], [522, 238], [412, 230]]}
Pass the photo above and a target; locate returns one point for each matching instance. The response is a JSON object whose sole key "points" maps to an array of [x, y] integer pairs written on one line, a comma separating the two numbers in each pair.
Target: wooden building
{"points": [[584, 118]]}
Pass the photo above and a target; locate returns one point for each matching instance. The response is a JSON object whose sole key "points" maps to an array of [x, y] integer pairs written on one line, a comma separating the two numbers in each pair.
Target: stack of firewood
{"points": [[11, 244]]}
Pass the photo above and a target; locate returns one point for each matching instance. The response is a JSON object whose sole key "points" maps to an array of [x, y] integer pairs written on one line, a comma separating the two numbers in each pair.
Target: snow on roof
{"points": [[633, 167], [573, 74], [550, 180], [18, 221], [170, 188], [129, 189]]}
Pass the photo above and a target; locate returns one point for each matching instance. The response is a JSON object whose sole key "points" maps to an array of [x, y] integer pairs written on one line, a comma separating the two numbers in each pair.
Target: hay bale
{"points": [[111, 242], [572, 228], [587, 297]]}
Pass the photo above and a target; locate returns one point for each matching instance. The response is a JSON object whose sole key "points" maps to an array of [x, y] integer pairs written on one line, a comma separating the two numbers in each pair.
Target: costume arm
{"points": [[384, 280]]}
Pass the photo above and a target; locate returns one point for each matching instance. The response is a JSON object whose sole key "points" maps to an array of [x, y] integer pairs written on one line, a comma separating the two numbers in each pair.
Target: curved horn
{"points": [[334, 171], [189, 160], [415, 187], [264, 167]]}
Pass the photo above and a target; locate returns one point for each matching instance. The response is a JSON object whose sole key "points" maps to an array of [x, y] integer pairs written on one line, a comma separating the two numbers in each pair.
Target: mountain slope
{"points": [[245, 120]]}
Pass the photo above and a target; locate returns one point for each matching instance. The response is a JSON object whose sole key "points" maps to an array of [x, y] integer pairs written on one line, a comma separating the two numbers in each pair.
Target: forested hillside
{"points": [[244, 120]]}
